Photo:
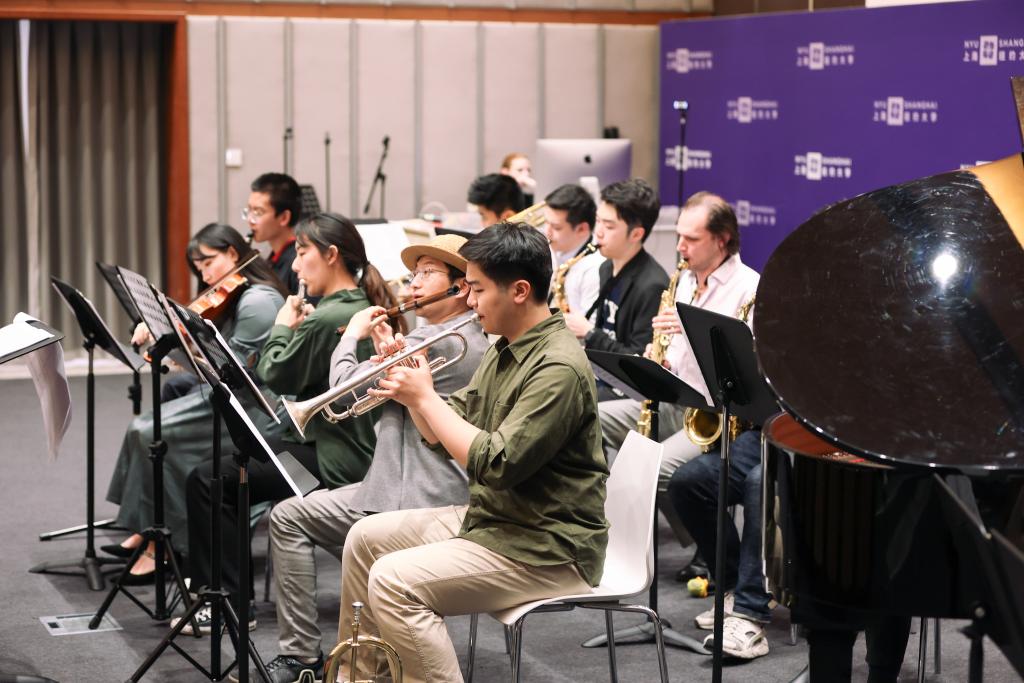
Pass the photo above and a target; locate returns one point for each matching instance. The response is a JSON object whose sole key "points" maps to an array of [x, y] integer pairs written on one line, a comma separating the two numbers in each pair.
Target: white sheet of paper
{"points": [[46, 365], [20, 334], [266, 448], [384, 243]]}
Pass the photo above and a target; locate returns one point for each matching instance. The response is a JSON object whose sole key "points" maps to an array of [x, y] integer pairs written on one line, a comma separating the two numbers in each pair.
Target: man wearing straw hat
{"points": [[405, 473]]}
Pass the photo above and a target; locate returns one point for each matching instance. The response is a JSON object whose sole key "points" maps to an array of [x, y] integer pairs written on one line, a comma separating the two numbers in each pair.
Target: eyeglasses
{"points": [[421, 273], [252, 215]]}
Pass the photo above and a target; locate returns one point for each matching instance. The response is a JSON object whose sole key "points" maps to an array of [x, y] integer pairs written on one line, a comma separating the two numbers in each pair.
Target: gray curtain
{"points": [[97, 136], [14, 249]]}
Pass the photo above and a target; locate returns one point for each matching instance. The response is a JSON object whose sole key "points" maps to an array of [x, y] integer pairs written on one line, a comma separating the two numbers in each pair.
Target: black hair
{"points": [[576, 202], [721, 218], [497, 193], [635, 201], [507, 252], [284, 192], [327, 229], [222, 237]]}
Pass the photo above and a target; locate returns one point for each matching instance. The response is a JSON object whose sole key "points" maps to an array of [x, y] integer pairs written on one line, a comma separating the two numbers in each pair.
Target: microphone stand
{"points": [[380, 178], [327, 168], [683, 107], [287, 143]]}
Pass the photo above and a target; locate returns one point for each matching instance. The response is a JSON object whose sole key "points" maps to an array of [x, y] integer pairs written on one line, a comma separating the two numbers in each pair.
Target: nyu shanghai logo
{"points": [[748, 110], [897, 111], [993, 50], [686, 159], [817, 166], [683, 61], [753, 214], [818, 56]]}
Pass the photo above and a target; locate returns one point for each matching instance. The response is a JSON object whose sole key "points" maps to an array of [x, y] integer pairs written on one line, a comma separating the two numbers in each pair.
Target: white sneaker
{"points": [[741, 638], [706, 619], [204, 617]]}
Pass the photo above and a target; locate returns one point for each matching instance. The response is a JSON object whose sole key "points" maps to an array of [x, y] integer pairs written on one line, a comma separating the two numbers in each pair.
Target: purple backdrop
{"points": [[792, 112]]}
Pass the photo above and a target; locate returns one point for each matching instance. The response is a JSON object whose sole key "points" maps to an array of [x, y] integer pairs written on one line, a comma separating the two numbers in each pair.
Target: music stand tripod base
{"points": [[644, 633]]}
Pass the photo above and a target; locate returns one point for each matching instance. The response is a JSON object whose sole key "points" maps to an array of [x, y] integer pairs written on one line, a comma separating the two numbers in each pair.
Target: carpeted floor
{"points": [[38, 495]]}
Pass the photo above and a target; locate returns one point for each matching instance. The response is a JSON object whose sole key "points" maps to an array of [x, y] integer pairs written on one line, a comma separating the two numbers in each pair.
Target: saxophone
{"points": [[560, 300], [704, 427], [660, 342]]}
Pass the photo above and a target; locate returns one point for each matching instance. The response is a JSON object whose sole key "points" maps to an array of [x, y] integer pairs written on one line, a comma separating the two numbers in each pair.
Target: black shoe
{"points": [[287, 669], [697, 567], [130, 579], [117, 550]]}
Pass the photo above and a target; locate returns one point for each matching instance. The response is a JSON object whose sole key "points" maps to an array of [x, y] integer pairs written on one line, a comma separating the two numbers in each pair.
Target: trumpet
{"points": [[301, 412], [360, 642], [531, 215]]}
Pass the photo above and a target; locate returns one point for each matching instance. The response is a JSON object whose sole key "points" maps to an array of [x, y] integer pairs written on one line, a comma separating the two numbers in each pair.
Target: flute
{"points": [[413, 304]]}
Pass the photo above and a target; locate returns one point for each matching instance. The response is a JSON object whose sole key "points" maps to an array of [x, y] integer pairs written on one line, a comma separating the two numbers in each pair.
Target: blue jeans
{"points": [[693, 491]]}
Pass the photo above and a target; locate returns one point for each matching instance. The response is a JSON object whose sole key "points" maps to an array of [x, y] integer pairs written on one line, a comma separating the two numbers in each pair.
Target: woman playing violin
{"points": [[247, 313]]}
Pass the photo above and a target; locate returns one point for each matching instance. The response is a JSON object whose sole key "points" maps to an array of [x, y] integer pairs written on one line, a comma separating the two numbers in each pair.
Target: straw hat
{"points": [[443, 247]]}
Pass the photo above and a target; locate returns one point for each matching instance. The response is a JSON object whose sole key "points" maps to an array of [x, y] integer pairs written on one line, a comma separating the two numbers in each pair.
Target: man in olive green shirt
{"points": [[527, 432]]}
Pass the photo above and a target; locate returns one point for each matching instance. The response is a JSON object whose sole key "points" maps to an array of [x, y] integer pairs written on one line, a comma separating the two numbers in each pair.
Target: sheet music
{"points": [[46, 365], [19, 334], [149, 308], [384, 243], [240, 411]]}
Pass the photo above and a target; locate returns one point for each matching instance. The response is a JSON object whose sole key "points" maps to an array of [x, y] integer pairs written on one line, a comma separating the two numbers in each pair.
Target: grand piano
{"points": [[891, 329]]}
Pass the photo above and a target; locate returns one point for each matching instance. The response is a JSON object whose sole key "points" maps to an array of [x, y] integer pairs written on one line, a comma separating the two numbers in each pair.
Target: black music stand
{"points": [[96, 333], [724, 349], [217, 366], [643, 379], [999, 610], [151, 305], [113, 279], [54, 337]]}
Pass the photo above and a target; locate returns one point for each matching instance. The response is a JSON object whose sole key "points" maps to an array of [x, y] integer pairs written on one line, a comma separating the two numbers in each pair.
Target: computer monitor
{"points": [[560, 161]]}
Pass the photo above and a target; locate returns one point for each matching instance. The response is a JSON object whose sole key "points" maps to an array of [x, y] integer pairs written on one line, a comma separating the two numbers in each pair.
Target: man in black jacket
{"points": [[631, 280]]}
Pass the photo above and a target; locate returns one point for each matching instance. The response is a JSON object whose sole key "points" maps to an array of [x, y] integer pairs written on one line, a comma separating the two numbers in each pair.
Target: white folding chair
{"points": [[629, 559]]}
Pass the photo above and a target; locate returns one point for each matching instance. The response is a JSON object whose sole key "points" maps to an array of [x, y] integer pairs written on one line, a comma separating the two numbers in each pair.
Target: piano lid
{"points": [[892, 324]]}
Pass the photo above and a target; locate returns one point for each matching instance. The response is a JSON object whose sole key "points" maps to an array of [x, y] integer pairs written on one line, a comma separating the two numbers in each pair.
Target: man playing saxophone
{"points": [[569, 214], [713, 277]]}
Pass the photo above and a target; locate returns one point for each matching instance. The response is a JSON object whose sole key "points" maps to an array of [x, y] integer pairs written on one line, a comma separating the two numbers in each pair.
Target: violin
{"points": [[220, 296]]}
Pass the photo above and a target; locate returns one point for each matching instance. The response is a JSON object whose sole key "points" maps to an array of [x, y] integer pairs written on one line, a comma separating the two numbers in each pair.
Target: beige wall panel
{"points": [[449, 109], [321, 79], [571, 88], [631, 92], [510, 56], [255, 103], [385, 105], [204, 156]]}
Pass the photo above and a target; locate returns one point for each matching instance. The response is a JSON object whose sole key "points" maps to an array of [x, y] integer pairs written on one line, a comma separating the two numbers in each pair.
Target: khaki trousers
{"points": [[410, 572]]}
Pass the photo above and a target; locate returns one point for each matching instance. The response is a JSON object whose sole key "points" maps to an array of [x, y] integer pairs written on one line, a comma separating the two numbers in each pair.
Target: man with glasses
{"points": [[273, 211], [405, 472]]}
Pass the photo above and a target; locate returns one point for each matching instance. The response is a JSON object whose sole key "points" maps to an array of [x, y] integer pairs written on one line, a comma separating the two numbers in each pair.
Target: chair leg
{"points": [[922, 652], [269, 570], [655, 619], [517, 649], [473, 619], [792, 634], [610, 634], [938, 648]]}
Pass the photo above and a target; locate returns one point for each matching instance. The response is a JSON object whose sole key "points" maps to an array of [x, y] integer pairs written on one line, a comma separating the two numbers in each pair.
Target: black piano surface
{"points": [[891, 328], [892, 325]]}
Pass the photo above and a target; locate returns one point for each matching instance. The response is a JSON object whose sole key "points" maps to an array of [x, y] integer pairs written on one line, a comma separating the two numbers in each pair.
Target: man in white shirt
{"points": [[716, 280], [569, 216]]}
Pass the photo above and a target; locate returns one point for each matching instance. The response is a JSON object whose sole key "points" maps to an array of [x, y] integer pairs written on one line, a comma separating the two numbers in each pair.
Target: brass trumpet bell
{"points": [[356, 644]]}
